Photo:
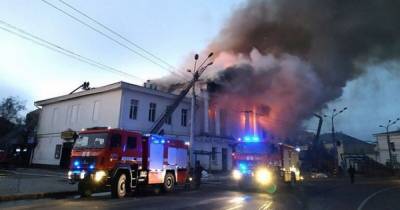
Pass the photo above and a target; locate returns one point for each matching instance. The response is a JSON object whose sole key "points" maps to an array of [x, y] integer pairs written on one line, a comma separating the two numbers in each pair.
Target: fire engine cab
{"points": [[261, 164], [122, 161]]}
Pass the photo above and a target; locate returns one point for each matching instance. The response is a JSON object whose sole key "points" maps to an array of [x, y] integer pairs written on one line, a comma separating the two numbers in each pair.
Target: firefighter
{"points": [[351, 171], [197, 173]]}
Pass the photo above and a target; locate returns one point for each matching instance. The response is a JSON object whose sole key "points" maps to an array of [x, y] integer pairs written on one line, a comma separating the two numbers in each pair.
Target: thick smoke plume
{"points": [[289, 58]]}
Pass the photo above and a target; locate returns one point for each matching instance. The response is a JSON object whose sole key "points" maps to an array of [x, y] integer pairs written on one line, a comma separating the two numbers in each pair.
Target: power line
{"points": [[51, 46], [117, 34], [109, 37]]}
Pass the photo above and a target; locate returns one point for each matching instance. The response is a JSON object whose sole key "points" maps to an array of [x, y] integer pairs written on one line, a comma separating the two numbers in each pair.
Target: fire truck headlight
{"points": [[82, 175], [99, 175], [69, 174], [236, 174], [263, 176]]}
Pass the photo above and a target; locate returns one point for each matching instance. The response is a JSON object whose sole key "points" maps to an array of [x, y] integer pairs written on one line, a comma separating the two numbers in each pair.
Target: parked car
{"points": [[318, 175]]}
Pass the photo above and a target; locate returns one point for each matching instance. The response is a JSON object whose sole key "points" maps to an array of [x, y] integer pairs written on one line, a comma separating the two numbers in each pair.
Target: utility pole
{"points": [[335, 155], [316, 153], [390, 123], [196, 73]]}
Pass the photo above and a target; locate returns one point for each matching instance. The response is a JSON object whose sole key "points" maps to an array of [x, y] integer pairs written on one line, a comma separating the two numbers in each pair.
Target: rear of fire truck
{"points": [[121, 161]]}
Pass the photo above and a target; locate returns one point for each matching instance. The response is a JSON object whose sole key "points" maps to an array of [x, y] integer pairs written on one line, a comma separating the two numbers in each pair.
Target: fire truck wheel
{"points": [[119, 186], [169, 183], [84, 189]]}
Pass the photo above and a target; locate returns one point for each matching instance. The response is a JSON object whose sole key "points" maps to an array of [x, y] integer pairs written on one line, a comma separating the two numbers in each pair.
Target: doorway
{"points": [[224, 159]]}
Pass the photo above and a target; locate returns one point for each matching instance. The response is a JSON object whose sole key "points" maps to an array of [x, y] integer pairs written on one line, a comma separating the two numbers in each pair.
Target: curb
{"points": [[37, 196]]}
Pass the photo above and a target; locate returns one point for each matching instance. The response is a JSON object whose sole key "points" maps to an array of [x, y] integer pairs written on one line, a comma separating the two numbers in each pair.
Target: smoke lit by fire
{"points": [[285, 59]]}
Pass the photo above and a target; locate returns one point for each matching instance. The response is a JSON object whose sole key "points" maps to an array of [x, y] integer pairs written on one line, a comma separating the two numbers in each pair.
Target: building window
{"points": [[131, 142], [213, 153], [392, 147], [184, 118], [96, 110], [74, 113], [152, 112], [168, 121], [55, 117], [133, 109]]}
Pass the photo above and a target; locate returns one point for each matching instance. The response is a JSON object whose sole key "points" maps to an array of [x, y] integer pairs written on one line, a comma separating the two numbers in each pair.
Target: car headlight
{"points": [[236, 174], [99, 175], [263, 176]]}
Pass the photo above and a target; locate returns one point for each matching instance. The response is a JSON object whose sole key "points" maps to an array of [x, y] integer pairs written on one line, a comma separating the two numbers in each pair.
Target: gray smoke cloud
{"points": [[293, 57]]}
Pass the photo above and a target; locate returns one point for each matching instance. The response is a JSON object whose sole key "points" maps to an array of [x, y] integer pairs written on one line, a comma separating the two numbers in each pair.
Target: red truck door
{"points": [[115, 147], [132, 152]]}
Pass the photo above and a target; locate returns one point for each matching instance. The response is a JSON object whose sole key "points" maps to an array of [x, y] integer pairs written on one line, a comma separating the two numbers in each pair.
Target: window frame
{"points": [[135, 142], [112, 140], [152, 111], [184, 113], [133, 109]]}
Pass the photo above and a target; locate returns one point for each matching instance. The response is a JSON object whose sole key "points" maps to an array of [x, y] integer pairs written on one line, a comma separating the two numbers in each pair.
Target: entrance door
{"points": [[224, 159], [66, 154]]}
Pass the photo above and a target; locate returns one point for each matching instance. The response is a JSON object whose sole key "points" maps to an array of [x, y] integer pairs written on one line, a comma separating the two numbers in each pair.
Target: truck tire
{"points": [[84, 189], [169, 182], [119, 187]]}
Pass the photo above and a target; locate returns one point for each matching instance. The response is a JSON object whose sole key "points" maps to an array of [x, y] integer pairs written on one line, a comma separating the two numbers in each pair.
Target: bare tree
{"points": [[10, 108]]}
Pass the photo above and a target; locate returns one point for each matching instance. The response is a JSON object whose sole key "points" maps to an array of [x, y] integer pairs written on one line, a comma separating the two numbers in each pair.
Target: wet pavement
{"points": [[332, 194]]}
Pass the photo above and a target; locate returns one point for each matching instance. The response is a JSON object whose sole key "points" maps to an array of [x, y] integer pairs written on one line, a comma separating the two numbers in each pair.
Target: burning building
{"points": [[278, 61]]}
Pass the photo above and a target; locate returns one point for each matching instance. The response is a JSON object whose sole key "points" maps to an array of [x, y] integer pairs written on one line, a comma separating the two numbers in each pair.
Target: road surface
{"points": [[366, 194]]}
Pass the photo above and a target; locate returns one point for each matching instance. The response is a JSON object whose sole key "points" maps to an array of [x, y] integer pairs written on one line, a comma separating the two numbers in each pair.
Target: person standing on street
{"points": [[351, 171], [198, 169]]}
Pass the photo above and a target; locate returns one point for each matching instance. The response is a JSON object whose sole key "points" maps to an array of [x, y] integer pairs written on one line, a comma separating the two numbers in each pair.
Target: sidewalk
{"points": [[25, 183]]}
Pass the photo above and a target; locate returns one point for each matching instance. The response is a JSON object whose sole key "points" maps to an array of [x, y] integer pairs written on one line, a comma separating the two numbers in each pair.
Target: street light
{"points": [[196, 73], [390, 123], [332, 116]]}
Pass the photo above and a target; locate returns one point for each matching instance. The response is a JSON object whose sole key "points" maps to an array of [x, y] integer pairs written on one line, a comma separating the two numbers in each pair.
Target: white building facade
{"points": [[120, 105], [383, 148]]}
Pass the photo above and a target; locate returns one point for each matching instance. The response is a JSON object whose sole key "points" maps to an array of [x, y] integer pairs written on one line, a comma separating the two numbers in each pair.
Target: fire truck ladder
{"points": [[156, 129]]}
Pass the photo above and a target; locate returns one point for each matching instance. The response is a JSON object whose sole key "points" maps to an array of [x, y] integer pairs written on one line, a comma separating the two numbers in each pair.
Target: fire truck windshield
{"points": [[252, 148], [91, 141]]}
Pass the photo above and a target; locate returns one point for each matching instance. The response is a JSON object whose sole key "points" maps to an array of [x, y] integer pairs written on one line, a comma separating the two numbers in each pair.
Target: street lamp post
{"points": [[196, 73], [390, 123], [332, 116]]}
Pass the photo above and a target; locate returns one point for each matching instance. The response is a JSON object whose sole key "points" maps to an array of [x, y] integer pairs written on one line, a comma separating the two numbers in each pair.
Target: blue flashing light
{"points": [[256, 139], [251, 139], [76, 163], [242, 167], [91, 166], [157, 139]]}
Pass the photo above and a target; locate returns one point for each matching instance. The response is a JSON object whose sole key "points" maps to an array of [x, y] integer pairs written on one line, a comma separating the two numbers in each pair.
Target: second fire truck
{"points": [[258, 163]]}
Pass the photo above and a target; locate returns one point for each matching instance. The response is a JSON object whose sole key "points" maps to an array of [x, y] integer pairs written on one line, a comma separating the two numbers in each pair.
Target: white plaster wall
{"points": [[142, 123], [57, 117]]}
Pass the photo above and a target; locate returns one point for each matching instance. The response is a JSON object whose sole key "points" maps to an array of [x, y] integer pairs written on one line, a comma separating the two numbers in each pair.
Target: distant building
{"points": [[350, 150], [383, 148], [130, 107]]}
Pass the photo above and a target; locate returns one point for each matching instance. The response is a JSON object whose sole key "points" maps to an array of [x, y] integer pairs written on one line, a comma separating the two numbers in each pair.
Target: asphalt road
{"points": [[366, 194]]}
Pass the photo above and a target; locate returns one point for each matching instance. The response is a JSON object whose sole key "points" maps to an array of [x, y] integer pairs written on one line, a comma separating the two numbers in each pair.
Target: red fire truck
{"points": [[122, 161], [258, 163]]}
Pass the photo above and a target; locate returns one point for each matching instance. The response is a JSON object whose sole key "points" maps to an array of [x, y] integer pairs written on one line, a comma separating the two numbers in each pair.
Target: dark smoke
{"points": [[333, 35], [338, 39], [291, 57]]}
